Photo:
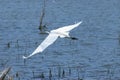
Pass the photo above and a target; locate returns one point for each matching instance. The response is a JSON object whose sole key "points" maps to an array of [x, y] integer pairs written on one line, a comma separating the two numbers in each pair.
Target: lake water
{"points": [[95, 56]]}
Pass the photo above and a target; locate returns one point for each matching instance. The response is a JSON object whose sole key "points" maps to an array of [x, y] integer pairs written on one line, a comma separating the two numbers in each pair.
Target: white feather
{"points": [[48, 41]]}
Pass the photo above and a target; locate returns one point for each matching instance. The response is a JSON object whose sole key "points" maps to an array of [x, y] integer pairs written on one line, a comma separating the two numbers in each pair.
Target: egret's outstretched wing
{"points": [[48, 41], [69, 27]]}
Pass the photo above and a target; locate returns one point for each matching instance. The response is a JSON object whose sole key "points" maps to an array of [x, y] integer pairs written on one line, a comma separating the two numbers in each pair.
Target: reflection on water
{"points": [[94, 56]]}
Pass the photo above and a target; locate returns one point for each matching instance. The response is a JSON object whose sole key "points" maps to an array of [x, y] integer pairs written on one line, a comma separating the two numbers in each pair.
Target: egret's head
{"points": [[47, 32]]}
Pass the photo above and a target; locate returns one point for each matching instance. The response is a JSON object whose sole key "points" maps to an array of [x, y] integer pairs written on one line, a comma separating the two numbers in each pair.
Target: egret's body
{"points": [[53, 35]]}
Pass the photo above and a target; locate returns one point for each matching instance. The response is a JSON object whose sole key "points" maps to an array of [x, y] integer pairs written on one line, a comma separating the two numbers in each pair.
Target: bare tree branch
{"points": [[41, 26], [4, 73]]}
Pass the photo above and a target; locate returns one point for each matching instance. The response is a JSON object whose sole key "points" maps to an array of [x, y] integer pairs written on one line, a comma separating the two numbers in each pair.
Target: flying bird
{"points": [[52, 37]]}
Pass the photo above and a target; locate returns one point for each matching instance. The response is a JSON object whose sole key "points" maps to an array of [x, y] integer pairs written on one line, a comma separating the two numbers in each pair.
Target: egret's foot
{"points": [[74, 38]]}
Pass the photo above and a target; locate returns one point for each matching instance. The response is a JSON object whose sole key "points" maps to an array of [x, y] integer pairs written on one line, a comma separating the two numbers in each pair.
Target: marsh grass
{"points": [[65, 73], [8, 44]]}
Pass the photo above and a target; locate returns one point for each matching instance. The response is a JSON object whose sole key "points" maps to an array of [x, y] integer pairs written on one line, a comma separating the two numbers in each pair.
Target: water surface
{"points": [[94, 56]]}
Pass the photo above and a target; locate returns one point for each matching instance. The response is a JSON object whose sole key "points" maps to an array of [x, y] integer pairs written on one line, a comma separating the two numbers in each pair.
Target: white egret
{"points": [[53, 35]]}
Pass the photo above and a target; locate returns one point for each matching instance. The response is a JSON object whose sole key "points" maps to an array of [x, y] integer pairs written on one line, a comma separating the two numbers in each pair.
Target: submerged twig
{"points": [[42, 75], [8, 44], [59, 71], [50, 74], [63, 73]]}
